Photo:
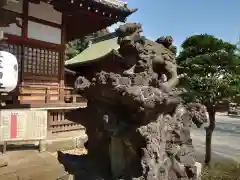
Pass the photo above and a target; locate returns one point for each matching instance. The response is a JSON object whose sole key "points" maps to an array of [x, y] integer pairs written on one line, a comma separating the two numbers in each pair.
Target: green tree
{"points": [[210, 70], [99, 33], [75, 47], [238, 47]]}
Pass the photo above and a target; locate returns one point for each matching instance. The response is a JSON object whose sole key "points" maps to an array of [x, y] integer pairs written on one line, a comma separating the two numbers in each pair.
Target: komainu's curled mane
{"points": [[154, 57]]}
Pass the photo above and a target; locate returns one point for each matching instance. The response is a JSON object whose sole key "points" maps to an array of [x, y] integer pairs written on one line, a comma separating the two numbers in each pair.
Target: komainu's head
{"points": [[129, 33], [198, 113], [165, 41]]}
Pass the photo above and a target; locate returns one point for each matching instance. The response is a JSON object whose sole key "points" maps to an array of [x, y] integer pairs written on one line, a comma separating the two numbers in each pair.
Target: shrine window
{"points": [[41, 61], [34, 61]]}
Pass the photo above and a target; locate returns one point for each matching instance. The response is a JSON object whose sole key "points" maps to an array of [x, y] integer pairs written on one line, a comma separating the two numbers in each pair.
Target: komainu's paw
{"points": [[165, 88]]}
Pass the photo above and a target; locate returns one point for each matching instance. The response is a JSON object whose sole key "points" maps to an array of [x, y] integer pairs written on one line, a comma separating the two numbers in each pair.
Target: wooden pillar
{"points": [[25, 18], [24, 34], [25, 7], [62, 56], [49, 121]]}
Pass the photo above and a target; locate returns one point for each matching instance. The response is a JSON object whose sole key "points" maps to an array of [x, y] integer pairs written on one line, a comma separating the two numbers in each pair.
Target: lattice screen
{"points": [[37, 61], [41, 61]]}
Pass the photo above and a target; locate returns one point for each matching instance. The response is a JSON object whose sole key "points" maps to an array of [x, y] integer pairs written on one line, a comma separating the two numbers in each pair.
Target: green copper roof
{"points": [[94, 52]]}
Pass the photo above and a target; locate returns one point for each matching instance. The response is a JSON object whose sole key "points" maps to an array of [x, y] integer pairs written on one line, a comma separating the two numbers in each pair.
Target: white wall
{"points": [[12, 29], [45, 11], [15, 7], [44, 33], [37, 31]]}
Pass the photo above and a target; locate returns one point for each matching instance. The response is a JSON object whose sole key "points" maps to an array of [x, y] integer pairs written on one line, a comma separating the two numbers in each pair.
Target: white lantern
{"points": [[8, 72]]}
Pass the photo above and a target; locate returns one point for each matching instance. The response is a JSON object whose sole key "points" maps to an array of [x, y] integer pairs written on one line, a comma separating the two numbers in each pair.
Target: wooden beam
{"points": [[25, 18], [32, 42], [41, 21], [34, 19]]}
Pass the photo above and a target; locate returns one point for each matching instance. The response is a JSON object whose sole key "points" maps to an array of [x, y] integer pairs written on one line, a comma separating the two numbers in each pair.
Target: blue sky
{"points": [[183, 18]]}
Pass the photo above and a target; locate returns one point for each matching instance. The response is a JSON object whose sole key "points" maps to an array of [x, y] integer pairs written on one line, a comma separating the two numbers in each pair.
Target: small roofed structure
{"points": [[100, 48], [100, 55]]}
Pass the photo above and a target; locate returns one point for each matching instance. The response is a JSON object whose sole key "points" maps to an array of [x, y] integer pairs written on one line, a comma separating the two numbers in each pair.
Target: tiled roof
{"points": [[115, 4], [96, 51]]}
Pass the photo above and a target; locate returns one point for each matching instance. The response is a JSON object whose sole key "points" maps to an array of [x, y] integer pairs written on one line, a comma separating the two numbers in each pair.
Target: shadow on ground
{"points": [[80, 168]]}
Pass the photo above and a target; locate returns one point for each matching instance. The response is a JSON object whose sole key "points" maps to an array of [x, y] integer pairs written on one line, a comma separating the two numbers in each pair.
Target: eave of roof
{"points": [[113, 4], [101, 14]]}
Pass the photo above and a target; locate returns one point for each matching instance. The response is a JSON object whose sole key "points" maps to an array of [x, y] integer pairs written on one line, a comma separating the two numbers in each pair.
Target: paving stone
{"points": [[3, 162], [7, 170], [41, 173], [32, 165], [11, 176]]}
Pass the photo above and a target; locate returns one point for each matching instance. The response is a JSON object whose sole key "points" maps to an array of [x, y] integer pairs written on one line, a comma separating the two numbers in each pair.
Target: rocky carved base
{"points": [[137, 142], [150, 152]]}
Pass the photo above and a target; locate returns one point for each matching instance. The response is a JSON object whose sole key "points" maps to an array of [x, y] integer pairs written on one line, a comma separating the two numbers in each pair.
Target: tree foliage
{"points": [[76, 46], [99, 33], [238, 47], [210, 69]]}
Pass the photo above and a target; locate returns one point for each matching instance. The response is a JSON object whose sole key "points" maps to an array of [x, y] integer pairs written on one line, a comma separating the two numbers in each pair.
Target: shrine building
{"points": [[37, 38]]}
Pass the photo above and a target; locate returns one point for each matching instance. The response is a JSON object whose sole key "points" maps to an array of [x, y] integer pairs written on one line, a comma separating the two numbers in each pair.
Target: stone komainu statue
{"points": [[137, 126]]}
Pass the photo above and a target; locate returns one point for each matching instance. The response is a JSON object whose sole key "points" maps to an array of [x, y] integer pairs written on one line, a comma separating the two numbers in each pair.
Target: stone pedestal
{"points": [[42, 145], [3, 162], [199, 170]]}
